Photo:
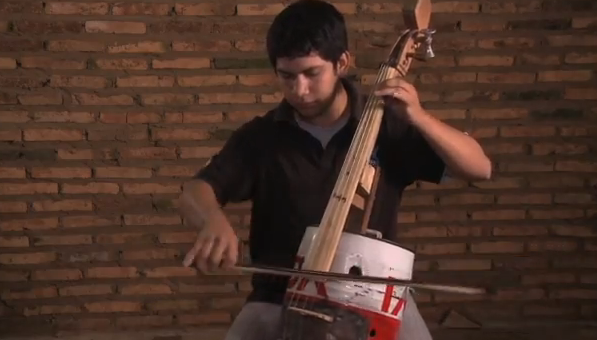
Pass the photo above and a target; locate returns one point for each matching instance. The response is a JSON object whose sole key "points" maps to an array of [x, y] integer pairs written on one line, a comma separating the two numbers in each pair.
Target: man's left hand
{"points": [[399, 91]]}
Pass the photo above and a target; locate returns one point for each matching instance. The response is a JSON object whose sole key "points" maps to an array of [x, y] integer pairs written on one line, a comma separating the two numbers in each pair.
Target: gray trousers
{"points": [[260, 321]]}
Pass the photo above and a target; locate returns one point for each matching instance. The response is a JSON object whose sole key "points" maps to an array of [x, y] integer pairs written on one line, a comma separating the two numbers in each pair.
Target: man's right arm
{"points": [[198, 203], [229, 176]]}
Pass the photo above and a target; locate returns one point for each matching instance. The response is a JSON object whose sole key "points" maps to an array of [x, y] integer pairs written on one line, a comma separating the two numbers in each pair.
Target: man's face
{"points": [[310, 83]]}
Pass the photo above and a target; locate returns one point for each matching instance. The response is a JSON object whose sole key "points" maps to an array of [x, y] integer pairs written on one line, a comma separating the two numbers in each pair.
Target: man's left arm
{"points": [[462, 155]]}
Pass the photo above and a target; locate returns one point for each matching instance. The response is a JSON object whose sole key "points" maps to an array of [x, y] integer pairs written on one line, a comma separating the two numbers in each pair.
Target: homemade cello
{"points": [[366, 279]]}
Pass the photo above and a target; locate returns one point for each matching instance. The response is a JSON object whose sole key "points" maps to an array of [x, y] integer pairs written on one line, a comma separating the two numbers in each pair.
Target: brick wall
{"points": [[106, 107]]}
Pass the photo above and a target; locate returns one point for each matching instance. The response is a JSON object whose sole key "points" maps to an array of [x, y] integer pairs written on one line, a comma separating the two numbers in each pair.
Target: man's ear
{"points": [[344, 63]]}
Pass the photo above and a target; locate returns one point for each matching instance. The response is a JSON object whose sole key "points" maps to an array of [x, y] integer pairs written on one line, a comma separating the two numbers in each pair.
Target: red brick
{"points": [[180, 237], [8, 63], [559, 149], [573, 198], [581, 58], [51, 98], [233, 98], [28, 189], [62, 205], [181, 63], [552, 245], [50, 309], [12, 207], [63, 117], [264, 9], [52, 134], [113, 306], [79, 81], [123, 27], [137, 47], [150, 254], [202, 117], [538, 59], [28, 258], [180, 134], [527, 131], [168, 99], [61, 172], [520, 294], [89, 221], [205, 318], [90, 188], [202, 46], [94, 99], [122, 64], [581, 93], [29, 224], [112, 272], [150, 188], [556, 214], [14, 116], [516, 199], [12, 172], [75, 46], [497, 247], [565, 75], [58, 240], [10, 136], [466, 199], [140, 9], [145, 81], [464, 264], [52, 63], [198, 81], [444, 248], [480, 25], [206, 9], [576, 166], [14, 241], [158, 272], [506, 78], [122, 172], [151, 220], [498, 215], [75, 8], [30, 293], [519, 230], [149, 153], [56, 275], [81, 290], [13, 276]]}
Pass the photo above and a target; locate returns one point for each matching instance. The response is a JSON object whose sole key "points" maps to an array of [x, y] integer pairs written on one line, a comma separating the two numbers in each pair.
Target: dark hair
{"points": [[307, 26]]}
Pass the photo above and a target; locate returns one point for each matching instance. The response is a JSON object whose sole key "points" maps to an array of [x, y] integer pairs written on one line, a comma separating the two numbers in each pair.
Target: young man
{"points": [[287, 162]]}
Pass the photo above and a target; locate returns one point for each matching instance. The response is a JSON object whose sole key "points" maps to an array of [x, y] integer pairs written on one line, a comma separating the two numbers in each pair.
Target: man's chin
{"points": [[308, 114]]}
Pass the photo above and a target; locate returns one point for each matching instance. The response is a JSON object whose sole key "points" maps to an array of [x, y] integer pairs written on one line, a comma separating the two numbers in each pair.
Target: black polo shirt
{"points": [[289, 176]]}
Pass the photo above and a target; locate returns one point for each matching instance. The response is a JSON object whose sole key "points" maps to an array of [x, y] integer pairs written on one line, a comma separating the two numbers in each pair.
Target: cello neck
{"points": [[416, 15]]}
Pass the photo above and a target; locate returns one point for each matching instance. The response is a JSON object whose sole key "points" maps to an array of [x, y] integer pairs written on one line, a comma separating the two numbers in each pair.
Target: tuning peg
{"points": [[425, 50]]}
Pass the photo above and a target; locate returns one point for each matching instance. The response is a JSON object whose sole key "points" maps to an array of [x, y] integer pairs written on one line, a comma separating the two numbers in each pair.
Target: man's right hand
{"points": [[216, 246]]}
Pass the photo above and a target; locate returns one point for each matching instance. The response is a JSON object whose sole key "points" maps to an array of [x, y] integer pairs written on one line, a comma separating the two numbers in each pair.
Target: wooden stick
{"points": [[356, 278]]}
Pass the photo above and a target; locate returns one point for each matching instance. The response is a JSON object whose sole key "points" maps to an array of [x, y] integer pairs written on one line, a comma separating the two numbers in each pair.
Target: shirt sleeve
{"points": [[232, 171], [405, 154]]}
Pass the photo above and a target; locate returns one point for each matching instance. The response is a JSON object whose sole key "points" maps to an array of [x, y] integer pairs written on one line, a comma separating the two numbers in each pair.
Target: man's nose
{"points": [[301, 86]]}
